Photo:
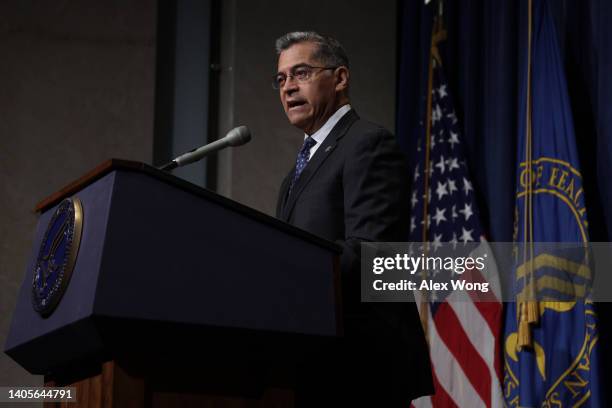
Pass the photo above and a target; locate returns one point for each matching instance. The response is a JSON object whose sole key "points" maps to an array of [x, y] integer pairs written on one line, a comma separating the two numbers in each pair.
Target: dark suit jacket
{"points": [[355, 188]]}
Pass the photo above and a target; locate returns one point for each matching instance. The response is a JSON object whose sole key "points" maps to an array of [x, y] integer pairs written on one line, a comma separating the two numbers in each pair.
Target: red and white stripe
{"points": [[464, 343]]}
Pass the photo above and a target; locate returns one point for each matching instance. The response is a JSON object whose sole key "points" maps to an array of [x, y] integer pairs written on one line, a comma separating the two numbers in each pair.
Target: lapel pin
{"points": [[328, 148]]}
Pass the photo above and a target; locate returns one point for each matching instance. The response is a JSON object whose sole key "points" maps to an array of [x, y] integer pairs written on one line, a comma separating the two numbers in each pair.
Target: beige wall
{"points": [[76, 88]]}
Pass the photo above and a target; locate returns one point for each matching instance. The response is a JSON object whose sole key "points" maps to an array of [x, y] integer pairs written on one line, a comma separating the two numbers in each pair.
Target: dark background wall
{"points": [[77, 86]]}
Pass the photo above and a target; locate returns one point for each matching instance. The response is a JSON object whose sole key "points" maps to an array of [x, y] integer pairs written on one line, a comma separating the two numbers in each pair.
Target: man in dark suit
{"points": [[349, 185]]}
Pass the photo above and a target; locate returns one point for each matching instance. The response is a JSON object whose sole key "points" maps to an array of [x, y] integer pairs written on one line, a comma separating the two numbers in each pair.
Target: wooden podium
{"points": [[178, 297]]}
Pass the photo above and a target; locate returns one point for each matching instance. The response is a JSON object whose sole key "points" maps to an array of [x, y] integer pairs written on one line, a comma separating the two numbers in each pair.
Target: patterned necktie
{"points": [[302, 160]]}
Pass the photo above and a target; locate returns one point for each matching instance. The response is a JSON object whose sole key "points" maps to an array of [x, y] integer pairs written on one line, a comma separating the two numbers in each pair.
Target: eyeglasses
{"points": [[301, 73]]}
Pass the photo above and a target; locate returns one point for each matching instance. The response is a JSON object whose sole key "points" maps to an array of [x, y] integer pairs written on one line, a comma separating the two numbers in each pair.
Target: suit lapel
{"points": [[282, 197], [322, 153]]}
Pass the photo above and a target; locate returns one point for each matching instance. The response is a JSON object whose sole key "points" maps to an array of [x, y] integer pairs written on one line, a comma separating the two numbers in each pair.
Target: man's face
{"points": [[308, 105]]}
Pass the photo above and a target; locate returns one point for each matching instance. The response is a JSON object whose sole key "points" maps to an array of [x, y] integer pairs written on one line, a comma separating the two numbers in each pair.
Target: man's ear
{"points": [[342, 78]]}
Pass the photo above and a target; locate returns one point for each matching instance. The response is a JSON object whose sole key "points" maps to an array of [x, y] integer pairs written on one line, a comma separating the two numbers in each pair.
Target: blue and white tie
{"points": [[302, 160]]}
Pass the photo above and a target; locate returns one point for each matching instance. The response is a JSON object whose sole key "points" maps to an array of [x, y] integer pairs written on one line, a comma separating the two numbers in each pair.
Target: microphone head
{"points": [[238, 136]]}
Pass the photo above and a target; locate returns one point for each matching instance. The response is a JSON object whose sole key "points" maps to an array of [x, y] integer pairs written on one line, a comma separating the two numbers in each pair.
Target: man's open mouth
{"points": [[295, 104]]}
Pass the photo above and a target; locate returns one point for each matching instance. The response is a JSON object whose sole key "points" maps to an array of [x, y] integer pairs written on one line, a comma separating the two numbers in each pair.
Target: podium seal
{"points": [[57, 256]]}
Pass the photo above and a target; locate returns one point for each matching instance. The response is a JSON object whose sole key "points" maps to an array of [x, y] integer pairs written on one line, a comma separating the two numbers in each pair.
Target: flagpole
{"points": [[528, 309], [438, 34], [424, 309]]}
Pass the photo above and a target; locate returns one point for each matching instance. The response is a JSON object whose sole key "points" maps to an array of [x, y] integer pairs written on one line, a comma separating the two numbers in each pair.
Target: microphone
{"points": [[235, 137]]}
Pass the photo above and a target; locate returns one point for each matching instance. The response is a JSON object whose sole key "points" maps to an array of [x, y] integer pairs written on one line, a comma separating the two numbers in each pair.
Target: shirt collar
{"points": [[322, 133]]}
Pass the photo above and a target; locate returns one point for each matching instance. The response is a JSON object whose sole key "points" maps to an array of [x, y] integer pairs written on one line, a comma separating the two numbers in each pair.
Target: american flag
{"points": [[464, 337]]}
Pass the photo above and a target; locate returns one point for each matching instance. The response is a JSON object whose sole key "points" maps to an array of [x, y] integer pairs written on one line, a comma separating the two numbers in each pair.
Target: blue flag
{"points": [[550, 348]]}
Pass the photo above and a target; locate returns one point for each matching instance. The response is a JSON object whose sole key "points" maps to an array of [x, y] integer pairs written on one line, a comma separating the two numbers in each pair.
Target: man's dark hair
{"points": [[329, 50]]}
